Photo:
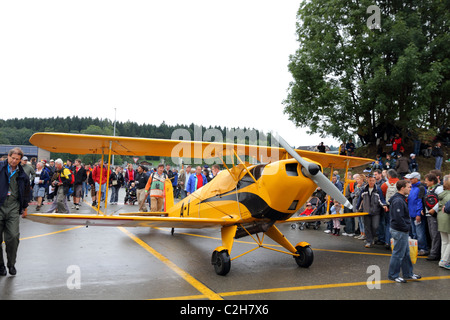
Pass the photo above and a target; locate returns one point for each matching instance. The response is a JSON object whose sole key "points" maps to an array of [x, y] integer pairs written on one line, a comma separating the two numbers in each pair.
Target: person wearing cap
{"points": [[443, 218], [155, 187], [415, 206], [51, 166], [413, 165]]}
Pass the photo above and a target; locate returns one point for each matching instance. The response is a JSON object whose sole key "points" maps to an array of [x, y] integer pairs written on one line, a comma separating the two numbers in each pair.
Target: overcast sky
{"points": [[205, 62]]}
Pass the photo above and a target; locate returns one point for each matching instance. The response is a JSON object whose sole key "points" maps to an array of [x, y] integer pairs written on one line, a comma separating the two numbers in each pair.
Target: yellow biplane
{"points": [[242, 200]]}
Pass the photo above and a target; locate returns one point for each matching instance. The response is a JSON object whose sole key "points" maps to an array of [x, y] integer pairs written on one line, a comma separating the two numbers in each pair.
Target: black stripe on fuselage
{"points": [[258, 208]]}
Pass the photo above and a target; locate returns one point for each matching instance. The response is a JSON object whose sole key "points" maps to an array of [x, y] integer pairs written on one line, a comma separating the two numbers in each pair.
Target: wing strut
{"points": [[99, 193], [108, 171]]}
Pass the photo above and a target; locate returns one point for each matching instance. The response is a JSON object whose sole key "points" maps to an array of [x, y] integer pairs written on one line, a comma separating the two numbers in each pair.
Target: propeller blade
{"points": [[312, 171]]}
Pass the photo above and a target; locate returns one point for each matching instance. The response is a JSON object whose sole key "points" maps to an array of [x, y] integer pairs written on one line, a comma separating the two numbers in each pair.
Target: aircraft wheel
{"points": [[221, 262], [306, 256]]}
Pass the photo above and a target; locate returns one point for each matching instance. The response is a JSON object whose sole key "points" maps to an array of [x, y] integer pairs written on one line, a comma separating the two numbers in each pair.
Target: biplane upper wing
{"points": [[97, 144], [131, 221]]}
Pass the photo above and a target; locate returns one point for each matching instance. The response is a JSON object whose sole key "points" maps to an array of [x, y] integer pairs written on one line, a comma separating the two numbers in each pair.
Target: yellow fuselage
{"points": [[279, 191]]}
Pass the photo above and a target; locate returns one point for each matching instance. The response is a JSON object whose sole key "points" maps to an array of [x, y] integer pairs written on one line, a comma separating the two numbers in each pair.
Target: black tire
{"points": [[221, 262], [306, 256]]}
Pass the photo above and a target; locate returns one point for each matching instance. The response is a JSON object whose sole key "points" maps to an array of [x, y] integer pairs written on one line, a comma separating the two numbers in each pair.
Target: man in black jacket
{"points": [[400, 226], [439, 155], [80, 176], [141, 181], [14, 195]]}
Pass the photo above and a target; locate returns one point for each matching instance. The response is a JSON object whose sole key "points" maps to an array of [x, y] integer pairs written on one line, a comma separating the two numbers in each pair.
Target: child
{"points": [[309, 209], [336, 222]]}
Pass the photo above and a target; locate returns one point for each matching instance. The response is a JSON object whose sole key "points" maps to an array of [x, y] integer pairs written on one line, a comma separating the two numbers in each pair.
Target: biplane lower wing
{"points": [[324, 217], [161, 221], [129, 221]]}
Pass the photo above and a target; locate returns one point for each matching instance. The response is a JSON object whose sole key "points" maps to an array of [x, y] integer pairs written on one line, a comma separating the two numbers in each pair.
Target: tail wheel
{"points": [[221, 262], [305, 256]]}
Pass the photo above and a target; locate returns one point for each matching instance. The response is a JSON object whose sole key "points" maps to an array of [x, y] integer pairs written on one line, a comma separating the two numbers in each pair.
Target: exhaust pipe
{"points": [[256, 228]]}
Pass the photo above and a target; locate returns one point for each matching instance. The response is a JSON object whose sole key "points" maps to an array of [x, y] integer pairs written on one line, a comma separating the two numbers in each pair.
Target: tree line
{"points": [[18, 132]]}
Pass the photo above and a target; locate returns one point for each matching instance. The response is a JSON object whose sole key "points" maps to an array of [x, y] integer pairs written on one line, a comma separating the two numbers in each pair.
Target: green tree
{"points": [[96, 130], [350, 79]]}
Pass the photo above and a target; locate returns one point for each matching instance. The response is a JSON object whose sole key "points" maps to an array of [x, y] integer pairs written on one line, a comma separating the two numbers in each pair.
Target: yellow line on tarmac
{"points": [[50, 233], [207, 293], [320, 286], [301, 288]]}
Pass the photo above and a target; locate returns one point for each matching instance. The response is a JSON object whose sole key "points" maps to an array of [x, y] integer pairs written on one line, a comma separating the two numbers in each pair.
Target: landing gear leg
{"points": [[221, 256], [304, 254]]}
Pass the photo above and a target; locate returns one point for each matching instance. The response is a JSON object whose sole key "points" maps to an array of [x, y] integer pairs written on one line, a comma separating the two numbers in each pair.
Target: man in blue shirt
{"points": [[337, 183], [196, 181], [415, 206]]}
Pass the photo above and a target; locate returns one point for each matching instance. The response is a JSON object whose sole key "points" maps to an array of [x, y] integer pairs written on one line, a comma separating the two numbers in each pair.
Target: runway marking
{"points": [[50, 233], [302, 288], [207, 293]]}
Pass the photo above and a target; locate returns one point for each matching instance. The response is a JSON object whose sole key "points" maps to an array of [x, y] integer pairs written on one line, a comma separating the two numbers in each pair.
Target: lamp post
{"points": [[114, 132]]}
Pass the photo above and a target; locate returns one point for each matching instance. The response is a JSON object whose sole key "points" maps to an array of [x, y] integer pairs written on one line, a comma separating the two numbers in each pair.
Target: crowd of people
{"points": [[62, 182], [400, 203], [427, 202], [396, 158]]}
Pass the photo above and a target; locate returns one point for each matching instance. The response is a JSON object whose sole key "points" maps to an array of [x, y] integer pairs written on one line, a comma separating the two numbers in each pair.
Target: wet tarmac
{"points": [[110, 263]]}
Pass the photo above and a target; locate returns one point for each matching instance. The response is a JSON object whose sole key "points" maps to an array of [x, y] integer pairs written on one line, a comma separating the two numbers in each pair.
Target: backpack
{"points": [[431, 199], [390, 191]]}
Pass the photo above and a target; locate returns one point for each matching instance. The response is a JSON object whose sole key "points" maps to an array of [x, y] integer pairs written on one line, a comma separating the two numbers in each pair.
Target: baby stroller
{"points": [[131, 195], [313, 207]]}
